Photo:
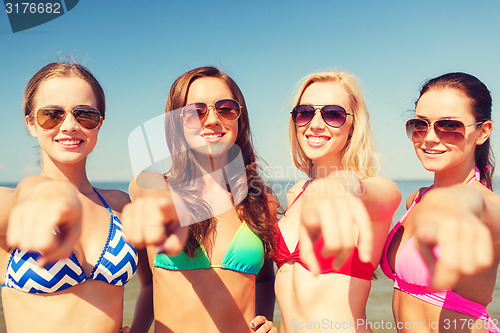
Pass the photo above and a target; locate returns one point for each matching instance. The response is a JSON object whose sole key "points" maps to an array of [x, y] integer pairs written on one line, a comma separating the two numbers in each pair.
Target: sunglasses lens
{"points": [[302, 114], [450, 130], [416, 129], [228, 109], [334, 115], [49, 118], [194, 113], [87, 117]]}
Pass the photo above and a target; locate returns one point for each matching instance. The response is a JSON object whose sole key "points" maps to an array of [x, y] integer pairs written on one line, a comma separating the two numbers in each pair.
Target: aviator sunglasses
{"points": [[333, 115], [226, 109], [451, 131], [51, 116]]}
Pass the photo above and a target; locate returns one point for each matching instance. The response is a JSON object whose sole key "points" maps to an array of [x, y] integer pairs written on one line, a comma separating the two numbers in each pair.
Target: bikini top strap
{"points": [[103, 201], [303, 189], [417, 199]]}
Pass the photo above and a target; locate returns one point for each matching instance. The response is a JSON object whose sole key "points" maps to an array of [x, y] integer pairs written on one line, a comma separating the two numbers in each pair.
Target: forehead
{"points": [[444, 103], [208, 90], [65, 91], [326, 93]]}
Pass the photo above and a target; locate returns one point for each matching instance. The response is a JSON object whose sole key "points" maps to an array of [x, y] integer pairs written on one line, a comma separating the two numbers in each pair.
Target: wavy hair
{"points": [[360, 154], [254, 208]]}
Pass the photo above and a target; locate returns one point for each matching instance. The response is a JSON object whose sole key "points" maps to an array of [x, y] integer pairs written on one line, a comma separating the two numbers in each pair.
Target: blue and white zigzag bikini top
{"points": [[116, 265]]}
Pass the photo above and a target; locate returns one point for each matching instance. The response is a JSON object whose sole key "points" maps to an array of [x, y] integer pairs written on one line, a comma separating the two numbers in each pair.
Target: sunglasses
{"points": [[51, 116], [195, 113], [451, 131], [333, 115]]}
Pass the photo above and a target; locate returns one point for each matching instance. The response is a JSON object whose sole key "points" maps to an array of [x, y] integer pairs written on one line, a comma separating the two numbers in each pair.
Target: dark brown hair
{"points": [[254, 208]]}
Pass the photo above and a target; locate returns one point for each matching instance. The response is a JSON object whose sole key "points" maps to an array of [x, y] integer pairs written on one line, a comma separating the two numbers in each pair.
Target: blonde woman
{"points": [[332, 143]]}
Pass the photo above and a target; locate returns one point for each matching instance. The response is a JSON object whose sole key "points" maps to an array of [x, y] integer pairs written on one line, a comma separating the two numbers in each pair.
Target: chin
{"points": [[213, 149]]}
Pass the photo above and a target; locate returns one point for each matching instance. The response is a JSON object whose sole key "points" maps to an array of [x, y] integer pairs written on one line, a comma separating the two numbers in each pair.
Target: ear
{"points": [[100, 123], [484, 132], [30, 124]]}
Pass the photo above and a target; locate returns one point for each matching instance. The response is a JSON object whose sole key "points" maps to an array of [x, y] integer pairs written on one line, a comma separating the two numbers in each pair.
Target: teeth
{"points": [[212, 136], [432, 152], [69, 142], [318, 139]]}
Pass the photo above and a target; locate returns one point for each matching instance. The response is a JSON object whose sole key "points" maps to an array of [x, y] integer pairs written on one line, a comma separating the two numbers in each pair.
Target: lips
{"points": [[317, 140], [433, 151], [69, 143], [212, 137]]}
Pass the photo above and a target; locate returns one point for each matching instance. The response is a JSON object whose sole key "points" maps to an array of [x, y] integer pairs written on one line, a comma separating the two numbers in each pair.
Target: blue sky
{"points": [[137, 49]]}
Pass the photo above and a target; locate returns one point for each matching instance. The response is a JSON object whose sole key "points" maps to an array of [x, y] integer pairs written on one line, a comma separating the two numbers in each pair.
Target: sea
{"points": [[379, 307]]}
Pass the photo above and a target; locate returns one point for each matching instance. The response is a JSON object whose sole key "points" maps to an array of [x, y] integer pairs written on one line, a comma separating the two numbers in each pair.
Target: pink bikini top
{"points": [[352, 266], [412, 274]]}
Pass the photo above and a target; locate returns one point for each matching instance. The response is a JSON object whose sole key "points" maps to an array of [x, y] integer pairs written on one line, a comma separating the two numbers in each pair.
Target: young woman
{"points": [[223, 276], [458, 213], [69, 260], [332, 143]]}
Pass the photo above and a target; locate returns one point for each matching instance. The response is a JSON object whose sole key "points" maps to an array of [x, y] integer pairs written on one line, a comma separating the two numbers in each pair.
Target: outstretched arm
{"points": [[345, 210], [463, 221]]}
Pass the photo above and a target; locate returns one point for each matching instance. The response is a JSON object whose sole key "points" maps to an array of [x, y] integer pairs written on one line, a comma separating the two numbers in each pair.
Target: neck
{"points": [[209, 163], [458, 175], [74, 173], [325, 169]]}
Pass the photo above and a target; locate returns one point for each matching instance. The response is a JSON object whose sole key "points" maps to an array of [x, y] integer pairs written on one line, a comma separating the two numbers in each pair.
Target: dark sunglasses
{"points": [[450, 131], [226, 109], [51, 116], [333, 115]]}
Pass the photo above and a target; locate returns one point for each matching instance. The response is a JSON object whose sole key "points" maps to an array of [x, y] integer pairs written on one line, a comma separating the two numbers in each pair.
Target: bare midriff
{"points": [[203, 300], [92, 306], [319, 303]]}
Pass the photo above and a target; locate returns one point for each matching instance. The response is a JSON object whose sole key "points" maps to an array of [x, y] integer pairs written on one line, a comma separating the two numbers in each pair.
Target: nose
{"points": [[431, 135], [212, 117], [69, 123], [317, 121]]}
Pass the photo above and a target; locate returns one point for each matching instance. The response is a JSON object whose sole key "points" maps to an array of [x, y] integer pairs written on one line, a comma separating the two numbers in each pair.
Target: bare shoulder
{"points": [[413, 196], [383, 184], [294, 191], [299, 186], [383, 188], [116, 199], [6, 192]]}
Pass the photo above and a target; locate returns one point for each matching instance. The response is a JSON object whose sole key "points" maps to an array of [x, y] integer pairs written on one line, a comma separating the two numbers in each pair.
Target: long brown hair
{"points": [[254, 208]]}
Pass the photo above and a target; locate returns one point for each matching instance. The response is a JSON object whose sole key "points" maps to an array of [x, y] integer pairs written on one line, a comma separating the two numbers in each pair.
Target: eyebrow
{"points": [[442, 118]]}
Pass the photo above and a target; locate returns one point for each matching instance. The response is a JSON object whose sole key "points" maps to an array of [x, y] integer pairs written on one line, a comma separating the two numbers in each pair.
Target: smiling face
{"points": [[320, 142], [215, 135], [435, 153], [68, 142]]}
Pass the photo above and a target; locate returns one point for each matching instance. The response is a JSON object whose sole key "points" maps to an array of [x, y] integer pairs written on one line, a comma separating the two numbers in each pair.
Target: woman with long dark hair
{"points": [[443, 254], [223, 274]]}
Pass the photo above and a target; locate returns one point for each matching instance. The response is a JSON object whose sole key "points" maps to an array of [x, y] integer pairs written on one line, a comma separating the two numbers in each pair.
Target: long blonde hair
{"points": [[359, 154]]}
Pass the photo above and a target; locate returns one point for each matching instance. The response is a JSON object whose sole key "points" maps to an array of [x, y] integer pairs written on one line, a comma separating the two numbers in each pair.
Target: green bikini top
{"points": [[244, 254]]}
